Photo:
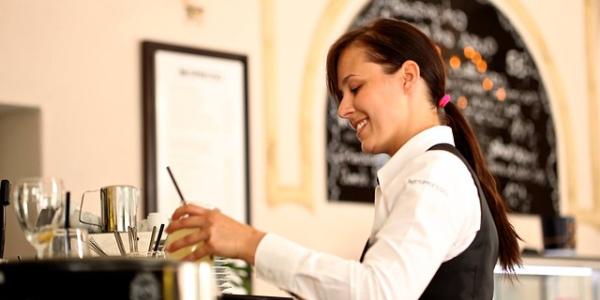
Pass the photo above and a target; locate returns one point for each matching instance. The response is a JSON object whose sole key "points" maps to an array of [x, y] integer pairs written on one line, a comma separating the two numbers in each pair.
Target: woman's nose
{"points": [[345, 109]]}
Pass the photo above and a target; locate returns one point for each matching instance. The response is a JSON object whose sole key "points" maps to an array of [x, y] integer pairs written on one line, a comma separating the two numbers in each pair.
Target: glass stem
{"points": [[39, 251]]}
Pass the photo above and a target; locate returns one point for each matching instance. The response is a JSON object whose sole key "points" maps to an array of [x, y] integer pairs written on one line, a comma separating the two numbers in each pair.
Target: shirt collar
{"points": [[417, 145]]}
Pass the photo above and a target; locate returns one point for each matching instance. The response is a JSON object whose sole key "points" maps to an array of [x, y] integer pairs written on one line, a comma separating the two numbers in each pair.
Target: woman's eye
{"points": [[354, 90]]}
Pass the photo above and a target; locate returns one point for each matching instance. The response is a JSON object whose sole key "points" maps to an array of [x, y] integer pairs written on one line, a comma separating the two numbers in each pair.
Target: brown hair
{"points": [[392, 42]]}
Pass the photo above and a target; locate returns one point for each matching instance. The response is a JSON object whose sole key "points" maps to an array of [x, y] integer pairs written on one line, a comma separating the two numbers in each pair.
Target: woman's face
{"points": [[375, 103]]}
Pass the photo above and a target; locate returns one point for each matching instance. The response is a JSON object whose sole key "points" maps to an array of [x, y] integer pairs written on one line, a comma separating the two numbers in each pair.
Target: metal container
{"points": [[118, 208]]}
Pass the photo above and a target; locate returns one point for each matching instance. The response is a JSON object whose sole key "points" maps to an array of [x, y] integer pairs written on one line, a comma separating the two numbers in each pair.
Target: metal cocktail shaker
{"points": [[118, 208]]}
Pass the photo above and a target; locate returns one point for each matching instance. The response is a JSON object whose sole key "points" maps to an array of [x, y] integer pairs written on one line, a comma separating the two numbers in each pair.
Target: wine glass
{"points": [[39, 205]]}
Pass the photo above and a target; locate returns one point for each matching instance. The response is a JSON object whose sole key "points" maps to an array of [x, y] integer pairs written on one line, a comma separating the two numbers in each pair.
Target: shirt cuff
{"points": [[277, 259]]}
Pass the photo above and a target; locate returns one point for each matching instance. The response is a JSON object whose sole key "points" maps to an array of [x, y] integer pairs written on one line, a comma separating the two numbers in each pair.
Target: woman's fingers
{"points": [[198, 254], [189, 222], [188, 240], [188, 209]]}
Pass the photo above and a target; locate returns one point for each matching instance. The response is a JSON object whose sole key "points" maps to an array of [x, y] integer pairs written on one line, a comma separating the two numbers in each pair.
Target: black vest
{"points": [[470, 275]]}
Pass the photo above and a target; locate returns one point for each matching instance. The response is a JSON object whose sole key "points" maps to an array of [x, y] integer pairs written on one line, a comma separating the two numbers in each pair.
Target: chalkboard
{"points": [[493, 78]]}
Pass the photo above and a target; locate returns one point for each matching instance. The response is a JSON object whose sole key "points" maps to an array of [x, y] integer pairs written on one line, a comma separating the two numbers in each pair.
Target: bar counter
{"points": [[110, 278]]}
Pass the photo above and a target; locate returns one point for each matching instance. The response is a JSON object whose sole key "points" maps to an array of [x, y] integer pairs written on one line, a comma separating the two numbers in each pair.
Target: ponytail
{"points": [[467, 145]]}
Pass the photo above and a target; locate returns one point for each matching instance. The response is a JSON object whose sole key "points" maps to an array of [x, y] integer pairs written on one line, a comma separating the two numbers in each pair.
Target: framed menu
{"points": [[196, 122]]}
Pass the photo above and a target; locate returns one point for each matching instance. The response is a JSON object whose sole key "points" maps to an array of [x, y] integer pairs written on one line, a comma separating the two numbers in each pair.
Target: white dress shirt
{"points": [[427, 211]]}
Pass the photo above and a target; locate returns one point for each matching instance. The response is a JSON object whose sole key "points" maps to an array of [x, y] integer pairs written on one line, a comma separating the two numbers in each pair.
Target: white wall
{"points": [[78, 61]]}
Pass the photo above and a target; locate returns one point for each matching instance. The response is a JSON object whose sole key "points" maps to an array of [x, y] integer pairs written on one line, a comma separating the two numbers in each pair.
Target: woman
{"points": [[440, 224]]}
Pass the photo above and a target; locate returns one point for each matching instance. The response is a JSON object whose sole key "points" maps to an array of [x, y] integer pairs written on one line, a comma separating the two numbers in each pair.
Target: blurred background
{"points": [[71, 103]]}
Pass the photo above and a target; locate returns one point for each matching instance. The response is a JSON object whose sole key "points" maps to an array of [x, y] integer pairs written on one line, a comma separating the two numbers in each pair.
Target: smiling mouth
{"points": [[361, 125]]}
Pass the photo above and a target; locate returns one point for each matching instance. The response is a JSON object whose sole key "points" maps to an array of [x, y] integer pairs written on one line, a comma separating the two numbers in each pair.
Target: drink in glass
{"points": [[185, 251]]}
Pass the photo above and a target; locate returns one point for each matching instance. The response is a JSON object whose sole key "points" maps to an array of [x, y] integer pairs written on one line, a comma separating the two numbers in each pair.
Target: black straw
{"points": [[4, 195], [4, 192], [67, 209], [152, 237], [160, 231], [176, 186], [67, 235]]}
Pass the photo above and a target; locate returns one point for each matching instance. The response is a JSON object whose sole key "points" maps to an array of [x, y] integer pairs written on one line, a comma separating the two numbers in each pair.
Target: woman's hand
{"points": [[220, 234]]}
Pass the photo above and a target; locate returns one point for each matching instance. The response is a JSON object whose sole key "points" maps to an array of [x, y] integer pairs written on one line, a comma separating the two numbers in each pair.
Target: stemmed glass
{"points": [[39, 206]]}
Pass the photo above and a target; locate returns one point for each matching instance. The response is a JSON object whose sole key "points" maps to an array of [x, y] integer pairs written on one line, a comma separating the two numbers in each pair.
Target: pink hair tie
{"points": [[444, 100]]}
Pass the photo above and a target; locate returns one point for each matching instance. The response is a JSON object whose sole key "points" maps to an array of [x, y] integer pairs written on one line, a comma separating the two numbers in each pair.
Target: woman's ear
{"points": [[410, 74]]}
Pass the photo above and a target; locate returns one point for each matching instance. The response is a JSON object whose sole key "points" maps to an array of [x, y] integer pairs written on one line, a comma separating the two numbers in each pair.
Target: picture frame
{"points": [[195, 120]]}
